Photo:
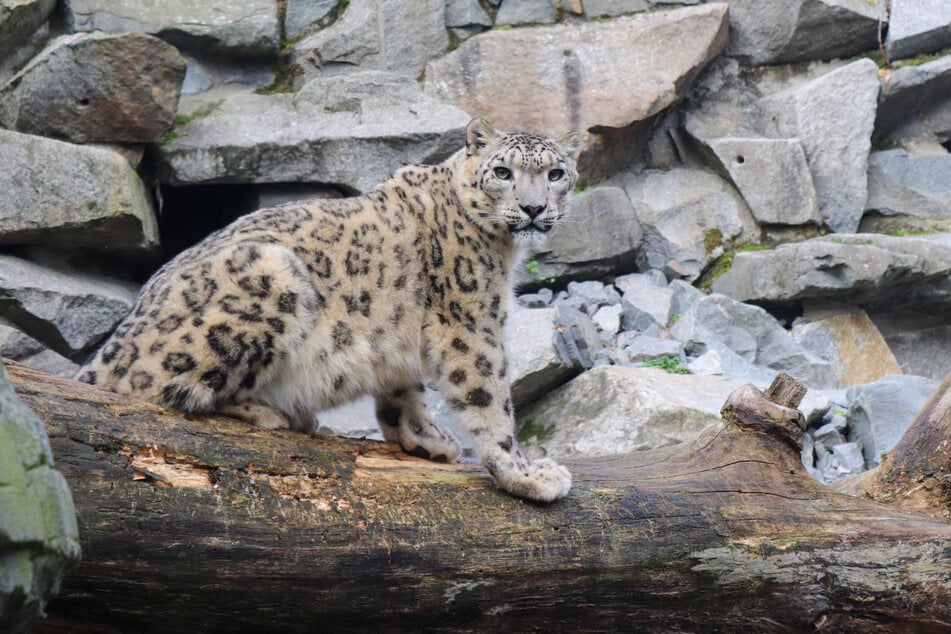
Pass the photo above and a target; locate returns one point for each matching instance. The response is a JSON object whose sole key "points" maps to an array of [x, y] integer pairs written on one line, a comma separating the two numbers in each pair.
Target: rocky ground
{"points": [[764, 188]]}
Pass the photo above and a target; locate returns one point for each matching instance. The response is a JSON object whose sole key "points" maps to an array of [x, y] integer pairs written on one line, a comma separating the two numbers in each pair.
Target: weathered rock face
{"points": [[535, 365], [69, 312], [918, 26], [97, 88], [781, 31], [60, 194], [384, 35], [351, 130], [864, 269], [685, 215], [39, 541], [914, 103], [19, 19], [908, 193], [218, 26], [603, 79], [837, 154]]}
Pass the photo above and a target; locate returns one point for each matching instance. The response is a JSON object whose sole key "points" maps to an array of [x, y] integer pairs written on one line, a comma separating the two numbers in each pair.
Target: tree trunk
{"points": [[209, 524]]}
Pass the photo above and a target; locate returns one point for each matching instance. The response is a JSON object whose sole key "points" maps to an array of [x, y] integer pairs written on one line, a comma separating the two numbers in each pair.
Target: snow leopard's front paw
{"points": [[542, 480], [425, 439]]}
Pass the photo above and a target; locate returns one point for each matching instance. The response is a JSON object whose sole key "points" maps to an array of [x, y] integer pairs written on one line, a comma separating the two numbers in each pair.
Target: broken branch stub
{"points": [[772, 413]]}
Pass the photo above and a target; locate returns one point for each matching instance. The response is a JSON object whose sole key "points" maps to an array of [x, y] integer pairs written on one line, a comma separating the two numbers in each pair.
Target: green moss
{"points": [[712, 239], [668, 364], [529, 430]]}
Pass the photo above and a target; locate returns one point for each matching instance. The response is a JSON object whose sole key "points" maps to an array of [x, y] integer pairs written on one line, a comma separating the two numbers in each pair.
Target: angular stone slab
{"points": [[68, 195], [386, 35], [773, 177], [918, 26], [97, 88], [679, 210], [908, 193], [869, 270], [248, 28], [69, 312], [596, 77], [914, 101], [351, 130], [837, 152], [782, 31], [534, 364], [39, 539]]}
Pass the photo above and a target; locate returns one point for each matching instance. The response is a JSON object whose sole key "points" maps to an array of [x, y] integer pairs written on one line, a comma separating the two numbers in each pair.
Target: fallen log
{"points": [[208, 524]]}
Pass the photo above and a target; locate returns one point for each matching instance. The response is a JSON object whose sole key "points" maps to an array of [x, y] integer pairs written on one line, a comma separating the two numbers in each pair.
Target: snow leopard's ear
{"points": [[571, 144], [479, 134]]}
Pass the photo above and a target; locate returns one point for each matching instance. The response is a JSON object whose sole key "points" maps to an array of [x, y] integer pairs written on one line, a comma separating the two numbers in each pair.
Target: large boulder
{"points": [[916, 103], [61, 194], [384, 35], [67, 311], [918, 26], [97, 88], [849, 340], [599, 235], [19, 19], [908, 193], [247, 28], [921, 342], [881, 412], [604, 78], [781, 31], [39, 540], [720, 324], [686, 215], [303, 16], [534, 365], [353, 130], [28, 351], [869, 270], [837, 153]]}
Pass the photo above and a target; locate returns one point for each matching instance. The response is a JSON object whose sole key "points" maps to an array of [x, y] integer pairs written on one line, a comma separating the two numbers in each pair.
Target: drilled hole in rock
{"points": [[83, 102], [740, 159]]}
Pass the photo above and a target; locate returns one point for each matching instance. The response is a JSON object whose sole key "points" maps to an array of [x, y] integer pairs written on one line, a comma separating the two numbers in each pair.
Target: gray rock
{"points": [[209, 72], [576, 339], [915, 102], [535, 367], [233, 28], [685, 295], [518, 12], [77, 196], [837, 154], [464, 13], [613, 8], [353, 130], [917, 26], [598, 236], [831, 434], [612, 75], [645, 347], [851, 343], [67, 311], [780, 31], [613, 409], [907, 193], [646, 306], [631, 281], [719, 323], [808, 454], [381, 35], [39, 540], [678, 211], [593, 294], [608, 320], [301, 16], [773, 177], [920, 342], [19, 19], [849, 456], [28, 351], [869, 270], [97, 88], [881, 412]]}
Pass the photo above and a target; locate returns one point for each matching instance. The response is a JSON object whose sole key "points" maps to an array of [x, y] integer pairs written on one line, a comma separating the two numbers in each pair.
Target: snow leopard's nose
{"points": [[533, 211]]}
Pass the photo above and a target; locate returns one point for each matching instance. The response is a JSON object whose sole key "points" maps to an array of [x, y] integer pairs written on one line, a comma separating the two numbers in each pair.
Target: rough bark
{"points": [[916, 473], [211, 525]]}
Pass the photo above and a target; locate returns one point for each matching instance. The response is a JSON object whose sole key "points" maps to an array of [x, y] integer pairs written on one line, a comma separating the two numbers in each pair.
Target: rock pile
{"points": [[763, 189]]}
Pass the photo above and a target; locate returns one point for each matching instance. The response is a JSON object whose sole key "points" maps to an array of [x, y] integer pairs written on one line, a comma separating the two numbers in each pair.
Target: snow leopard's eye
{"points": [[502, 173], [556, 175]]}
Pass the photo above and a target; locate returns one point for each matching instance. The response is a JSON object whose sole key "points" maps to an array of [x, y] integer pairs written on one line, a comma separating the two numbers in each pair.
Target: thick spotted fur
{"points": [[303, 307]]}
